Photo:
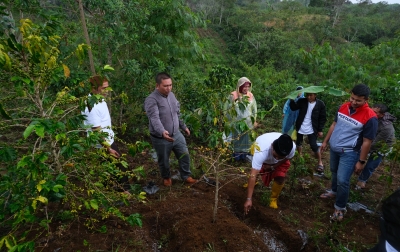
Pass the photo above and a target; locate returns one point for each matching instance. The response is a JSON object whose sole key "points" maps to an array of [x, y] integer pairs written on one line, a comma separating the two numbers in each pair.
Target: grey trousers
{"points": [[163, 149]]}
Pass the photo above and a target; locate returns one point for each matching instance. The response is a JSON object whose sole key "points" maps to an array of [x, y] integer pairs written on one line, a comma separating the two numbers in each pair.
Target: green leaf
{"points": [[94, 204], [99, 184], [39, 130], [135, 220], [86, 204], [9, 243], [57, 187], [108, 67], [124, 164], [42, 199], [2, 242], [311, 89], [336, 92], [28, 131], [60, 136], [23, 162]]}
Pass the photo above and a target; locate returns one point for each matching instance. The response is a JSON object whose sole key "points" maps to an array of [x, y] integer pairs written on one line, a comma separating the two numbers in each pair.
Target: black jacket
{"points": [[318, 115]]}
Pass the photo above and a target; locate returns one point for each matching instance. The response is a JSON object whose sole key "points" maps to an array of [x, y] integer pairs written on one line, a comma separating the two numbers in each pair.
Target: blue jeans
{"points": [[342, 167], [163, 149], [373, 162]]}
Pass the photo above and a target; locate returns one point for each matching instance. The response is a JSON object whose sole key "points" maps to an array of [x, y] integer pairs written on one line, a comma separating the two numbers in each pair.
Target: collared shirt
{"points": [[163, 113], [99, 116], [352, 126]]}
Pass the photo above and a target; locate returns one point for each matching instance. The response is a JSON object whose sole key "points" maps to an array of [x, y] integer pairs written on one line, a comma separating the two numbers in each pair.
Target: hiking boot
{"points": [[190, 180], [167, 182]]}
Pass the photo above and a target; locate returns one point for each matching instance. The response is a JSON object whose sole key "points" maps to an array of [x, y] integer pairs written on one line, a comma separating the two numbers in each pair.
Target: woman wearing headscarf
{"points": [[246, 112]]}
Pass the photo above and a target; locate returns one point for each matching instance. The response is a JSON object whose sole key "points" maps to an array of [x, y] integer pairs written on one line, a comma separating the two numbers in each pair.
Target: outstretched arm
{"points": [[250, 188]]}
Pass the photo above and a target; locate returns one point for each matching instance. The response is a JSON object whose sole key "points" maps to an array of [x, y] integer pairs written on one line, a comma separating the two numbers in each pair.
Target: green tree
{"points": [[47, 156]]}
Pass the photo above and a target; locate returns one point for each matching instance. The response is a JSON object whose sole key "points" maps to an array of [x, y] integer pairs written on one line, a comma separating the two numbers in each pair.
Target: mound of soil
{"points": [[180, 218]]}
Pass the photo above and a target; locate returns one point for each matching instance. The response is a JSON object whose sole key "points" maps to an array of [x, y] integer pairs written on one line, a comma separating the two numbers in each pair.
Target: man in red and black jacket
{"points": [[350, 137]]}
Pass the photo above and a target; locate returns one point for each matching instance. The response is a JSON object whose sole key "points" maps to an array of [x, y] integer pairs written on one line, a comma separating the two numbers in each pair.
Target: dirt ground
{"points": [[180, 218]]}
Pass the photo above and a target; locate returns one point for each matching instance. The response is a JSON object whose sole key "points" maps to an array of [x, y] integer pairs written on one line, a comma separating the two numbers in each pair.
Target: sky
{"points": [[377, 1], [389, 1]]}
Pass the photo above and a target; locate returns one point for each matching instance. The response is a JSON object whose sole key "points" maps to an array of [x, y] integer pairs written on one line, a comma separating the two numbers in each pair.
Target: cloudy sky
{"points": [[377, 1], [389, 1]]}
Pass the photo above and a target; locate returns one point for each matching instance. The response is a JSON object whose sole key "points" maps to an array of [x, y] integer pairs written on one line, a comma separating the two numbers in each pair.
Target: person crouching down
{"points": [[272, 162]]}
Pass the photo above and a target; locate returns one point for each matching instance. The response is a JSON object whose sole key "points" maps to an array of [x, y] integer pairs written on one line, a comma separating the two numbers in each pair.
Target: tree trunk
{"points": [[215, 210], [86, 34]]}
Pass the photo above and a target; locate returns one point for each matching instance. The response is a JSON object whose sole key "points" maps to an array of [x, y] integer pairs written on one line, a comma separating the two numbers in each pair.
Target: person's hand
{"points": [[167, 137], [247, 206], [255, 124], [187, 131], [283, 115], [323, 147], [113, 153], [320, 134], [358, 168]]}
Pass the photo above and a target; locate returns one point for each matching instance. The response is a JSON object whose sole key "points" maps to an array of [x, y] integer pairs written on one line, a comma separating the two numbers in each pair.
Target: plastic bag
{"points": [[294, 135], [151, 188]]}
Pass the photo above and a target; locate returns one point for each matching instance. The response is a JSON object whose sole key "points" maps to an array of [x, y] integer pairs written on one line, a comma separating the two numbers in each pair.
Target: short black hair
{"points": [[361, 90], [382, 108], [162, 76]]}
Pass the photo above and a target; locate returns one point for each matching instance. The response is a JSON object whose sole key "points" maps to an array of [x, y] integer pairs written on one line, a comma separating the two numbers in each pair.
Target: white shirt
{"points": [[99, 116], [264, 155], [306, 126]]}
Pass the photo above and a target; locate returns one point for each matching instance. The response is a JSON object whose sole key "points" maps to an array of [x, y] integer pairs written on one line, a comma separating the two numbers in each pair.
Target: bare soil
{"points": [[180, 218]]}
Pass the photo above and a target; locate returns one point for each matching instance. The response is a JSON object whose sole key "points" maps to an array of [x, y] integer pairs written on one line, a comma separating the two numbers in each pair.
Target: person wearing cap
{"points": [[272, 162], [290, 116], [310, 122], [350, 137], [247, 114]]}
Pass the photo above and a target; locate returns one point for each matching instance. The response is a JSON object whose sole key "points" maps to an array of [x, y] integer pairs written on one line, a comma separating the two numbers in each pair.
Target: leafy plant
{"points": [[49, 158]]}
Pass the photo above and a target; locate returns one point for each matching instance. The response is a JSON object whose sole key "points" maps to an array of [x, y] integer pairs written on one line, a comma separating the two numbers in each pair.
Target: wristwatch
{"points": [[361, 161]]}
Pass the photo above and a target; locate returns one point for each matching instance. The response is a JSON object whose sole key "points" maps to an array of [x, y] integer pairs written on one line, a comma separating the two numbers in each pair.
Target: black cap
{"points": [[283, 145]]}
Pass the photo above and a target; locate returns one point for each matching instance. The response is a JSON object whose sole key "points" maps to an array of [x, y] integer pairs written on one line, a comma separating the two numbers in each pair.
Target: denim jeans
{"points": [[342, 167], [163, 149], [373, 162]]}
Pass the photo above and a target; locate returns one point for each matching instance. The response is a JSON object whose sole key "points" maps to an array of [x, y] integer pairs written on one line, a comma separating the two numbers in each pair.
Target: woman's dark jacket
{"points": [[318, 115]]}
